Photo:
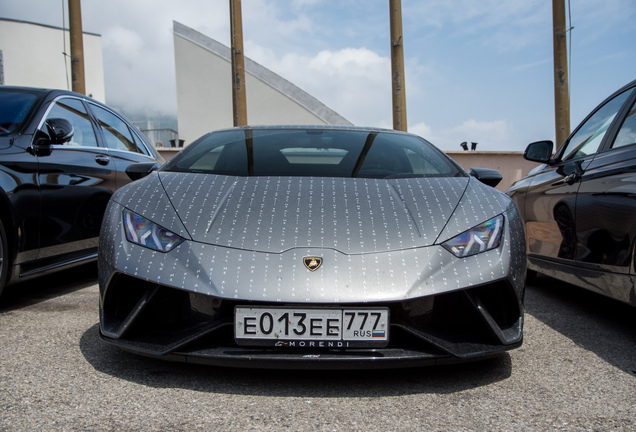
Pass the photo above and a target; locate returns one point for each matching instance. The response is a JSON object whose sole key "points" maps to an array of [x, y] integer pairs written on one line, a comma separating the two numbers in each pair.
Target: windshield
{"points": [[14, 107], [314, 152]]}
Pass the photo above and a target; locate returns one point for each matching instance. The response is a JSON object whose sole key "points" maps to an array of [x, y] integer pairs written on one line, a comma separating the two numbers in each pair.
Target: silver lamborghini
{"points": [[312, 247]]}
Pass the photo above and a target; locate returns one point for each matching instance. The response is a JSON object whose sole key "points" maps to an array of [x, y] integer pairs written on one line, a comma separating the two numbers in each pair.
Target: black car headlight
{"points": [[481, 238], [143, 232]]}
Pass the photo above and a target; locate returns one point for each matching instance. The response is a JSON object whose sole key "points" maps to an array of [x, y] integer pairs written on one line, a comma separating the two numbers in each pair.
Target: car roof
{"points": [[34, 90], [41, 92]]}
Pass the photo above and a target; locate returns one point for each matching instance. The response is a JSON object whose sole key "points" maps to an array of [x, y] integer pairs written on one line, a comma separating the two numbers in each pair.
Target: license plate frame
{"points": [[311, 327]]}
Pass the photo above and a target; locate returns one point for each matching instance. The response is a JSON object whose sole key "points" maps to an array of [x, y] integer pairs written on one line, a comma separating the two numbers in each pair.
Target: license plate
{"points": [[311, 328]]}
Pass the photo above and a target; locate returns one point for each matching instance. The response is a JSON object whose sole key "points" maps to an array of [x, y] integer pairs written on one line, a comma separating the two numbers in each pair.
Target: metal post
{"points": [[397, 66], [239, 100], [77, 46], [561, 85]]}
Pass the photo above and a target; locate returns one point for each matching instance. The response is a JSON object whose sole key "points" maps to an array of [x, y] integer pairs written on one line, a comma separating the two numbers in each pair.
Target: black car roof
{"points": [[29, 89], [41, 92]]}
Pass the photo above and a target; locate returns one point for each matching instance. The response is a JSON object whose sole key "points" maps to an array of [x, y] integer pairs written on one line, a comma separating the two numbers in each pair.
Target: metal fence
{"points": [[166, 138]]}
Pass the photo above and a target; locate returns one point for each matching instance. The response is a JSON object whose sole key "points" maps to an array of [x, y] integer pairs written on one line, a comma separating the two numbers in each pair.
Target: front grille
{"points": [[169, 318]]}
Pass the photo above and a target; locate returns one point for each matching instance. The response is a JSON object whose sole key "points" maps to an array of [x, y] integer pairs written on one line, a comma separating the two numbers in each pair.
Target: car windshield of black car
{"points": [[14, 107], [314, 152]]}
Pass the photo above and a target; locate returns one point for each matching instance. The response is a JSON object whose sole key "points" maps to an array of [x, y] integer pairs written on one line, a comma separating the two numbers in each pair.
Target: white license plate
{"points": [[337, 328]]}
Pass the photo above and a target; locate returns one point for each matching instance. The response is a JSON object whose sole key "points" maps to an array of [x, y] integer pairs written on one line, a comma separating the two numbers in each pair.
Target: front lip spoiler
{"points": [[267, 358]]}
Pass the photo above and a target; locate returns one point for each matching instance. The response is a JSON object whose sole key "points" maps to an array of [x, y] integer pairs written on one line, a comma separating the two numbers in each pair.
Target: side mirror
{"points": [[54, 131], [489, 177], [60, 130], [540, 151], [141, 170]]}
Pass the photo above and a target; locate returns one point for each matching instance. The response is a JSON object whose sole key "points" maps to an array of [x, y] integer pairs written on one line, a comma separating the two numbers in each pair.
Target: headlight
{"points": [[143, 232], [479, 239]]}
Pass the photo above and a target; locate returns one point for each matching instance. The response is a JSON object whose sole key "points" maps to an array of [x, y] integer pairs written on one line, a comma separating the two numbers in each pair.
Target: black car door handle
{"points": [[572, 178], [102, 159]]}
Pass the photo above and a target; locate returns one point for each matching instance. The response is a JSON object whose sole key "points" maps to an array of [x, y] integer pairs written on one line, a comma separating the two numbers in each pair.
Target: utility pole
{"points": [[239, 101], [561, 85], [77, 46], [397, 66]]}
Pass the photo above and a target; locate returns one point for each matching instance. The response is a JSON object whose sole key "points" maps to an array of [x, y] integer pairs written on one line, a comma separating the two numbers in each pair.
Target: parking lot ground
{"points": [[576, 371]]}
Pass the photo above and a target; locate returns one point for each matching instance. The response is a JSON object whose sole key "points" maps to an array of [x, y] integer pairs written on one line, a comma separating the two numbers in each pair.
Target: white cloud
{"points": [[126, 44], [268, 22], [135, 77], [351, 62], [423, 130], [355, 82]]}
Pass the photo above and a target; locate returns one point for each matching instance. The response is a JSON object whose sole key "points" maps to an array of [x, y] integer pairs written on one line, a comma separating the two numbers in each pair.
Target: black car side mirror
{"points": [[540, 151], [54, 131], [487, 176], [60, 130], [141, 170]]}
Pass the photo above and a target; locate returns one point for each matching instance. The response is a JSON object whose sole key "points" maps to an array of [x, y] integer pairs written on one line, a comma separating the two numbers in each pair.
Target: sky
{"points": [[477, 71]]}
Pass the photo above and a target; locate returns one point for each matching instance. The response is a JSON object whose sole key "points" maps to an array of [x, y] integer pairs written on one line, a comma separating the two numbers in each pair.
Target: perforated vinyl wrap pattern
{"points": [[246, 236]]}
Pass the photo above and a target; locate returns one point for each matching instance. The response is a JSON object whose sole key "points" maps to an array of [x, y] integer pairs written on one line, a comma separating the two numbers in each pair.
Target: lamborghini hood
{"points": [[274, 214]]}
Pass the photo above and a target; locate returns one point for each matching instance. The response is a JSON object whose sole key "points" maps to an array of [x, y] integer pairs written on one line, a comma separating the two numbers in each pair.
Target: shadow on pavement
{"points": [[290, 383], [596, 323], [40, 289]]}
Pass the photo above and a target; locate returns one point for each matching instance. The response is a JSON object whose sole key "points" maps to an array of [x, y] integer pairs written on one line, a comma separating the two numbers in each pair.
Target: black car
{"points": [[579, 209], [62, 155]]}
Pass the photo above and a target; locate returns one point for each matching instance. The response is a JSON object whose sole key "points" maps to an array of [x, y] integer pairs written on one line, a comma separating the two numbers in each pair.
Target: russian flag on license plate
{"points": [[378, 333]]}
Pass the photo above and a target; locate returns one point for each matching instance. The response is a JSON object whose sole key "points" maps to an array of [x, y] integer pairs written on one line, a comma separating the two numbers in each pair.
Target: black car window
{"points": [[74, 111], [314, 152], [140, 146], [588, 138], [14, 107], [116, 132], [627, 133]]}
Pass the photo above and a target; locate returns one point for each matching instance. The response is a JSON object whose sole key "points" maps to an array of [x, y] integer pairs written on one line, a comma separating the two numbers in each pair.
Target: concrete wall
{"points": [[511, 165], [32, 56]]}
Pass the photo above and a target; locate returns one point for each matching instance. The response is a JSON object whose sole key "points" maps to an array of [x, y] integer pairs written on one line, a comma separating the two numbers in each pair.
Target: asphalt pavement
{"points": [[576, 371]]}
